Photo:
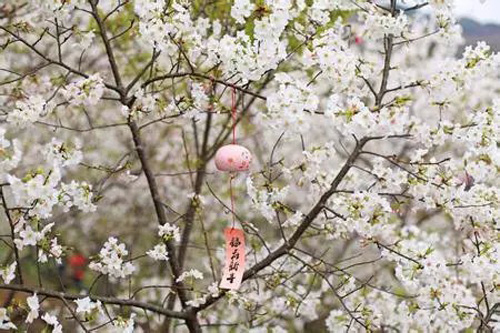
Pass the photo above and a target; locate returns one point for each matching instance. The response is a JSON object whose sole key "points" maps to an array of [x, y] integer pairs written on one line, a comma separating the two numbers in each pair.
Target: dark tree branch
{"points": [[107, 45], [106, 300], [191, 319], [54, 62], [11, 224]]}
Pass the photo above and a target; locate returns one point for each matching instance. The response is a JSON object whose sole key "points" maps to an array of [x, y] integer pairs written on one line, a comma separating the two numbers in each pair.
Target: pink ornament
{"points": [[233, 158]]}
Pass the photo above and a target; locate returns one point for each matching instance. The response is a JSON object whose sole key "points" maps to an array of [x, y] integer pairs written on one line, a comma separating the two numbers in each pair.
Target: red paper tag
{"points": [[235, 259]]}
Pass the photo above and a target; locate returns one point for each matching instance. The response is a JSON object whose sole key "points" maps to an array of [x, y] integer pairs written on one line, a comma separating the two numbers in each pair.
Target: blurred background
{"points": [[480, 21]]}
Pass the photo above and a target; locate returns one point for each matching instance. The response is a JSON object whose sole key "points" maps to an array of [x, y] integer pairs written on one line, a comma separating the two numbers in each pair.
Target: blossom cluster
{"points": [[43, 191], [111, 260], [86, 91]]}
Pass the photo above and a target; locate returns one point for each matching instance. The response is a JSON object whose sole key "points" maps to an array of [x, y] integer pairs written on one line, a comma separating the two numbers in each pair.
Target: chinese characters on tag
{"points": [[235, 259]]}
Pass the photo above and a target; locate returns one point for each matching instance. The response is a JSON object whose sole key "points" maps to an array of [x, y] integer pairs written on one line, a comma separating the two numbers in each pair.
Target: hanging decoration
{"points": [[233, 158]]}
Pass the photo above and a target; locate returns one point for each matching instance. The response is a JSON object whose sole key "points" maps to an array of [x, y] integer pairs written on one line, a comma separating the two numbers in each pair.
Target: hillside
{"points": [[475, 31]]}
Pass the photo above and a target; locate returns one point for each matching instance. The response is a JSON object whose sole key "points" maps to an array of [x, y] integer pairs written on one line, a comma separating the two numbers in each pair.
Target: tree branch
{"points": [[54, 62], [191, 319], [107, 45], [103, 299]]}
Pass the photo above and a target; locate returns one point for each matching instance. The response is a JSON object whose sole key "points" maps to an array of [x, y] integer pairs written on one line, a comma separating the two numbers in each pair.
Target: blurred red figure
{"points": [[77, 263], [358, 40]]}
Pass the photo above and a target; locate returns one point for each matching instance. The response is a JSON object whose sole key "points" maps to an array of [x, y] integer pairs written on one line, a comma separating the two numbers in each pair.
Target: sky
{"points": [[487, 12]]}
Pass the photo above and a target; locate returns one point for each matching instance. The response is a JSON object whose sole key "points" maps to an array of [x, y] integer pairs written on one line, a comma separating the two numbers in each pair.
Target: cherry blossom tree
{"points": [[372, 203]]}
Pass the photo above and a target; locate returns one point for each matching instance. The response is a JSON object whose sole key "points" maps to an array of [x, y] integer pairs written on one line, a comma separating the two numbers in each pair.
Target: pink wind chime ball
{"points": [[233, 158]]}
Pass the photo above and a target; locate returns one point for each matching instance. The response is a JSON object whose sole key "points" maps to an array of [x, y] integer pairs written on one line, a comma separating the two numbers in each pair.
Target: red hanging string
{"points": [[231, 176], [233, 112], [233, 214]]}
